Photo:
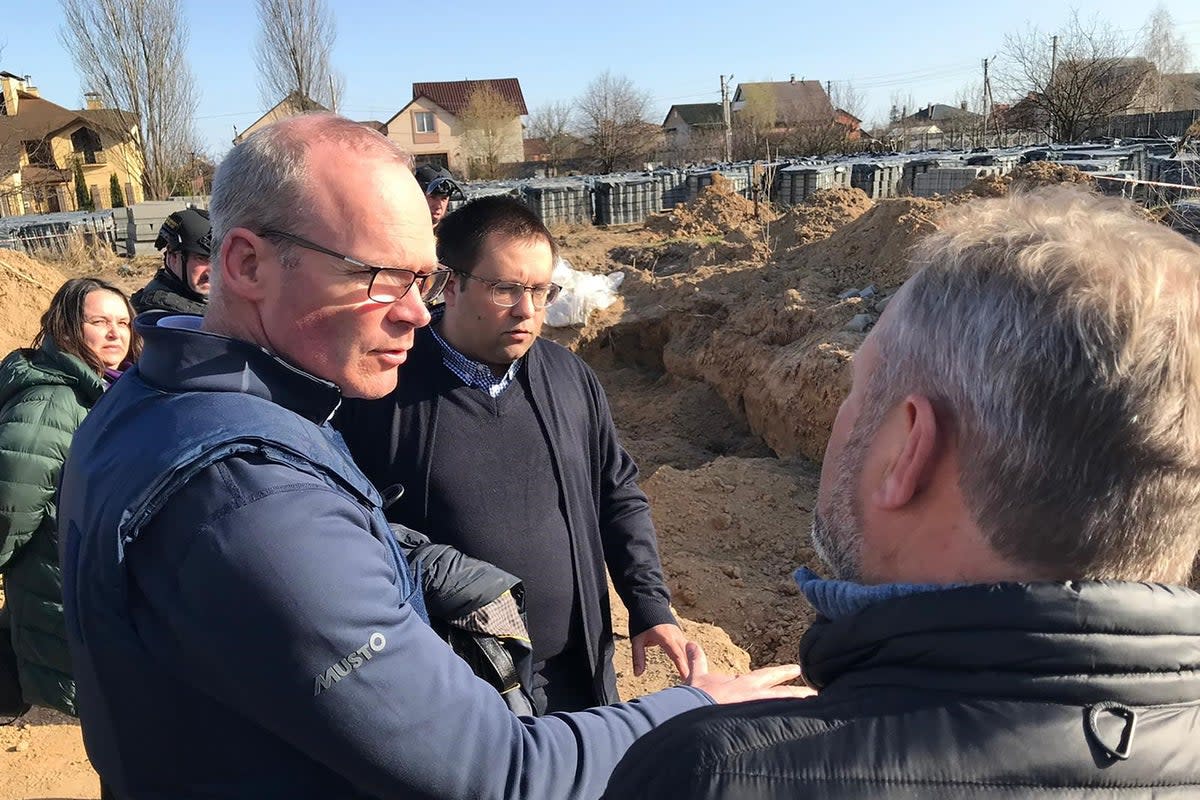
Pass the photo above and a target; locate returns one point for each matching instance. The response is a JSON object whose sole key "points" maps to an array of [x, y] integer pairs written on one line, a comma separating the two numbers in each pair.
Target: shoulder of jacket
{"points": [[34, 401], [558, 357]]}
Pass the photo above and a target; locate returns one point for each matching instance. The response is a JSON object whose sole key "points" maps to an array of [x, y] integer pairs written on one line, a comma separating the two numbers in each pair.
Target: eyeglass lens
{"points": [[389, 285], [509, 294]]}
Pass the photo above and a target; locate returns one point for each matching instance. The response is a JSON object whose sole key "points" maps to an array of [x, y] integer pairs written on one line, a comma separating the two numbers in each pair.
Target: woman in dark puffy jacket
{"points": [[86, 340]]}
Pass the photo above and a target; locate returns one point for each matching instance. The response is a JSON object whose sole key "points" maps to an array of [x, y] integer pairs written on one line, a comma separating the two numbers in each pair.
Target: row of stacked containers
{"points": [[630, 198]]}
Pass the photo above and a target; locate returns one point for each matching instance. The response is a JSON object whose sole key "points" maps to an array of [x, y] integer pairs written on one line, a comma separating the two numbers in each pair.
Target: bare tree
{"points": [[492, 129], [756, 123], [134, 53], [1169, 53], [612, 120], [552, 124], [846, 96], [1073, 88], [293, 54]]}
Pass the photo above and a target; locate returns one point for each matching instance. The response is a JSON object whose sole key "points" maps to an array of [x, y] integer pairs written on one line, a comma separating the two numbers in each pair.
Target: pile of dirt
{"points": [[26, 286], [873, 249], [1025, 177], [819, 216], [1048, 173], [986, 186], [718, 210]]}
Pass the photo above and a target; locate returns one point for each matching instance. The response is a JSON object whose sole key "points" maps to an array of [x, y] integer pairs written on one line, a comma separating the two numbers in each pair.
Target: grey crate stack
{"points": [[559, 202], [878, 179], [674, 187], [794, 185], [948, 180], [142, 223], [696, 181], [624, 201], [489, 189]]}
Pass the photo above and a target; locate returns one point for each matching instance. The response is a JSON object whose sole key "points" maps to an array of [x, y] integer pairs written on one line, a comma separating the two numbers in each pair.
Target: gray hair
{"points": [[263, 183], [1059, 333]]}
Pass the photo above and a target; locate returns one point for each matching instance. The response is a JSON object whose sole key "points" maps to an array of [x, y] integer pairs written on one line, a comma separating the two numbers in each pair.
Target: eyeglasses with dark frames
{"points": [[507, 294], [386, 284]]}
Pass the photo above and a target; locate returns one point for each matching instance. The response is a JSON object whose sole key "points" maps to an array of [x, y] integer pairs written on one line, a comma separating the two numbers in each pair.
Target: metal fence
{"points": [[60, 233]]}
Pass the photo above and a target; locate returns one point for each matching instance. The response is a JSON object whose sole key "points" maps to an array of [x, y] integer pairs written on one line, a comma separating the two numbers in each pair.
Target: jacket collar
{"points": [[1067, 642], [173, 283], [178, 356]]}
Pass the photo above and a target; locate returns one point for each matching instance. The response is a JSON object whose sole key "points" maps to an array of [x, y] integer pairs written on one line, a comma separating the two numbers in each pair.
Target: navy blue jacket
{"points": [[607, 515], [241, 624]]}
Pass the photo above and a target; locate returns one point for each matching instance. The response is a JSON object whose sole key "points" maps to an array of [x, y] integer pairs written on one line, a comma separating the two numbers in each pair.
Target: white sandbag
{"points": [[582, 293]]}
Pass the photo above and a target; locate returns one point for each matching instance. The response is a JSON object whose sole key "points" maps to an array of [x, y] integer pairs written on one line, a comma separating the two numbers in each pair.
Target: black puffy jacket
{"points": [[1074, 690], [168, 292]]}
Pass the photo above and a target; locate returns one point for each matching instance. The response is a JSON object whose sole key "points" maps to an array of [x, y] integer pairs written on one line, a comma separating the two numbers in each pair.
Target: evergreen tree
{"points": [[117, 199], [83, 198]]}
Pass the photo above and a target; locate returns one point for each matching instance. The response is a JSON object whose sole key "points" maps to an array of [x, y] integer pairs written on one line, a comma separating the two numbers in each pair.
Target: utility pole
{"points": [[985, 101], [1050, 83], [333, 98], [728, 118]]}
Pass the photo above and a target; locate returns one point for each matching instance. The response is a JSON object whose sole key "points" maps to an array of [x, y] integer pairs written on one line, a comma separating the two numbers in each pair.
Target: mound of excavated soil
{"points": [[1025, 177], [715, 212], [1047, 173], [26, 286], [874, 247], [819, 216]]}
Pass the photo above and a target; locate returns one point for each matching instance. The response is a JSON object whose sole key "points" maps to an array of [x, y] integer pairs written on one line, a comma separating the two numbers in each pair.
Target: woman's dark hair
{"points": [[63, 321]]}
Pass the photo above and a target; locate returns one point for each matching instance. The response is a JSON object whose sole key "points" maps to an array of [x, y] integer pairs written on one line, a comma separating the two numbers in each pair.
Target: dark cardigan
{"points": [[607, 515]]}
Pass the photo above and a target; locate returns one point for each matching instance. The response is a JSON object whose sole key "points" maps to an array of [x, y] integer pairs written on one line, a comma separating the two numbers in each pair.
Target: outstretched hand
{"points": [[761, 684], [667, 636]]}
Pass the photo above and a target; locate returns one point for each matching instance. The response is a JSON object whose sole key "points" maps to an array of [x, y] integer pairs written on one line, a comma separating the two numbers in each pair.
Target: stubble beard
{"points": [[837, 536]]}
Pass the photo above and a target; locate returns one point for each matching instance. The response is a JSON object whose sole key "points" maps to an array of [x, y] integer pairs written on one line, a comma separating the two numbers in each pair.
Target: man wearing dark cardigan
{"points": [[505, 448]]}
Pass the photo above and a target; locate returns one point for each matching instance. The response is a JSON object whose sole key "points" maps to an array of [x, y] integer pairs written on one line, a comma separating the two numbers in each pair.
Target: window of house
{"points": [[39, 153], [425, 122], [86, 144]]}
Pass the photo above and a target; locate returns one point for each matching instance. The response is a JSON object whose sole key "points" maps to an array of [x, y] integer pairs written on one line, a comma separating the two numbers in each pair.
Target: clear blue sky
{"points": [[674, 50]]}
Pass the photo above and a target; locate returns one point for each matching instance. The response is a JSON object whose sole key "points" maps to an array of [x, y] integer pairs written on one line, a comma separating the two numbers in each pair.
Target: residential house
{"points": [[941, 118], [296, 103], [694, 127], [435, 127], [41, 142], [851, 124], [796, 104]]}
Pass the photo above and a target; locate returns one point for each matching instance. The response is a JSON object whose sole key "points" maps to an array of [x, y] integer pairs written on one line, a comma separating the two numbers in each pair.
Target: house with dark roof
{"points": [[41, 143], [462, 124], [796, 104], [694, 132]]}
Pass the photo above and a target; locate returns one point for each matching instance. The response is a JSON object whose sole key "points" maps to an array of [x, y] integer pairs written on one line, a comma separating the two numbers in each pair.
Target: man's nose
{"points": [[524, 307], [411, 309]]}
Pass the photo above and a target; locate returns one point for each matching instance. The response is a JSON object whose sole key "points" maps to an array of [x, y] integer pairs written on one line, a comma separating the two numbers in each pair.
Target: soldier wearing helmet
{"points": [[181, 283], [440, 188]]}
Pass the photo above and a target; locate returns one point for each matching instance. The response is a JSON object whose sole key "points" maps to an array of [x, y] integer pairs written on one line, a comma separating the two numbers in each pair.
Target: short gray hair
{"points": [[1059, 334], [263, 183]]}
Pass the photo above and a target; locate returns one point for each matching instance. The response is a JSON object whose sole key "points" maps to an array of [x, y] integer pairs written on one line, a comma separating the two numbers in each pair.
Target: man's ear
{"points": [[919, 451], [242, 272], [453, 289]]}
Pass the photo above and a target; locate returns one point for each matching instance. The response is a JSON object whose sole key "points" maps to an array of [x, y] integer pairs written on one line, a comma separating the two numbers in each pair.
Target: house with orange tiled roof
{"points": [[444, 123], [41, 143]]}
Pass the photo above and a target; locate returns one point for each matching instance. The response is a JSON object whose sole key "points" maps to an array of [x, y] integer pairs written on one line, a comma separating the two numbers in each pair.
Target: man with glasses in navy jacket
{"points": [[558, 498]]}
